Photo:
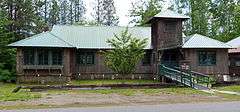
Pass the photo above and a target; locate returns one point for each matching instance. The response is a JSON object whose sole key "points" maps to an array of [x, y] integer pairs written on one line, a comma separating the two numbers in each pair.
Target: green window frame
{"points": [[57, 57], [207, 58], [28, 57], [86, 58], [147, 58]]}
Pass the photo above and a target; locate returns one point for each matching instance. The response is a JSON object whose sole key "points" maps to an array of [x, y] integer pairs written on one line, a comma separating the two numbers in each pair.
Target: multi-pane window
{"points": [[147, 58], [43, 57], [57, 57], [170, 26], [28, 55], [85, 58], [207, 58]]}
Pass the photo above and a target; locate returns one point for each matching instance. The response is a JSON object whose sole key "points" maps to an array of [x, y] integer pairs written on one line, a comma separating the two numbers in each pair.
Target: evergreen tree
{"points": [[142, 11], [54, 13], [64, 11], [98, 10], [79, 10], [109, 14]]}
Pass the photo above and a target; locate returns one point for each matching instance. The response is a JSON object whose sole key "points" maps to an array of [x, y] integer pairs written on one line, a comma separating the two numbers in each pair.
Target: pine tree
{"points": [[109, 14], [79, 10], [64, 11], [143, 10], [98, 10], [54, 13]]}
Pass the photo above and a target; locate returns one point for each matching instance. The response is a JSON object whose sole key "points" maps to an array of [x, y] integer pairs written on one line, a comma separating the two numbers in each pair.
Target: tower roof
{"points": [[169, 14]]}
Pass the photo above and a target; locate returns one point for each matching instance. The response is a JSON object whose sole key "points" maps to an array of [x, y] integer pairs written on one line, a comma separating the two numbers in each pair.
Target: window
{"points": [[207, 58], [42, 57], [85, 58], [147, 58], [28, 57], [170, 26], [57, 57]]}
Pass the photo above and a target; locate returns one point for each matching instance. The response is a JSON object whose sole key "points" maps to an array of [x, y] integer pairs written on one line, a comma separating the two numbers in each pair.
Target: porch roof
{"points": [[45, 39], [200, 41], [235, 43]]}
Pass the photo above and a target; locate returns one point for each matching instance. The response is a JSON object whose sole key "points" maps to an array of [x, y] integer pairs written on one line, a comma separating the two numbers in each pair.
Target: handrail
{"points": [[190, 78]]}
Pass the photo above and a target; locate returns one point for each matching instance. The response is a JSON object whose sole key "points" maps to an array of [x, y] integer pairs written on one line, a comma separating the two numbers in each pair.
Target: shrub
{"points": [[6, 75]]}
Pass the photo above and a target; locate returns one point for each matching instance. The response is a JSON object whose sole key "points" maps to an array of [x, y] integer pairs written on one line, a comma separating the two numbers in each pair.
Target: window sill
{"points": [[42, 67]]}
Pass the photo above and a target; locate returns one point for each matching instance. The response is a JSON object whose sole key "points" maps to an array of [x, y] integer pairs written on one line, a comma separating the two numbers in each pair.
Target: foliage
{"points": [[126, 53], [7, 55], [105, 13], [142, 11]]}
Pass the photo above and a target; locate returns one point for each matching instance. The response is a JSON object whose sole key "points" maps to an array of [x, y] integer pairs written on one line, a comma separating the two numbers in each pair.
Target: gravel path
{"points": [[200, 107]]}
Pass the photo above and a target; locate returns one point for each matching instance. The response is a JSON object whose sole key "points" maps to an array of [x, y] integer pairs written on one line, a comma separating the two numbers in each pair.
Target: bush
{"points": [[6, 75]]}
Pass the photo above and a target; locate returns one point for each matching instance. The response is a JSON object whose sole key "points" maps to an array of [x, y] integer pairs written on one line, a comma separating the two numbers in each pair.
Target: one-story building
{"points": [[68, 52], [234, 57]]}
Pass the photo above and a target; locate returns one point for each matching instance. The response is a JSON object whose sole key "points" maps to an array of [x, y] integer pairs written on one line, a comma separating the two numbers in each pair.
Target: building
{"points": [[234, 57], [68, 52]]}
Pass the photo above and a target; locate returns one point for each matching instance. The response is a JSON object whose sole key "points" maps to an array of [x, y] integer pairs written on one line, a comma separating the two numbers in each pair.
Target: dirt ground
{"points": [[88, 99]]}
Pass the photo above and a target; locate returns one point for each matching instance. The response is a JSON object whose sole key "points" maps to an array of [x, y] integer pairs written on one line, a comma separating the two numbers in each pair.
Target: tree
{"points": [[54, 13], [126, 53], [7, 55], [63, 11], [109, 14], [98, 10], [79, 10], [142, 11]]}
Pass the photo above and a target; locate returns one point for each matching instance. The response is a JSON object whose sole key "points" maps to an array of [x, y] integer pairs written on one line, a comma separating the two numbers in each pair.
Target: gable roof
{"points": [[85, 37], [200, 41], [170, 14], [45, 39], [234, 42]]}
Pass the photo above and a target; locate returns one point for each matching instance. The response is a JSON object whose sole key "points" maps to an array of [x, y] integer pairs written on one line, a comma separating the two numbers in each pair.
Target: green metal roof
{"points": [[95, 37], [85, 37], [45, 39], [200, 41]]}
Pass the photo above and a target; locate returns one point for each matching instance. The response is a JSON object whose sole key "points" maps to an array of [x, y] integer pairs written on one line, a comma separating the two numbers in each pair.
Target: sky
{"points": [[122, 7]]}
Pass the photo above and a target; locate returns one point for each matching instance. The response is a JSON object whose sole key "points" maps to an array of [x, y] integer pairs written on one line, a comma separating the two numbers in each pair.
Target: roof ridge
{"points": [[61, 39], [102, 26]]}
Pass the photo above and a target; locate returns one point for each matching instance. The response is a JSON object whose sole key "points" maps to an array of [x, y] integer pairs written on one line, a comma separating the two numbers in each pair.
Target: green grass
{"points": [[7, 95], [235, 88], [100, 82], [131, 92]]}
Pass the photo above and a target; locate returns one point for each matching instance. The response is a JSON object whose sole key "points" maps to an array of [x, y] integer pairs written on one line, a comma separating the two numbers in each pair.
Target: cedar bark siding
{"points": [[234, 69], [221, 67]]}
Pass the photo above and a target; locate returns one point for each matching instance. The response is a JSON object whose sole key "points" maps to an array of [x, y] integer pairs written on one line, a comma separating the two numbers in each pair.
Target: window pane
{"points": [[43, 57], [57, 57], [90, 58], [84, 58], [28, 57], [207, 58], [147, 58]]}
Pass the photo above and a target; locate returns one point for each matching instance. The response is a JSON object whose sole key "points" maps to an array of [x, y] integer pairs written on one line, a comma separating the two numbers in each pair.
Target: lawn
{"points": [[235, 88], [101, 82], [7, 95]]}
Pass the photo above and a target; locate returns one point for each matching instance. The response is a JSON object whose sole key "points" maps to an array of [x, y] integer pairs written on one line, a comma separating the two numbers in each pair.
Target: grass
{"points": [[7, 95], [131, 92], [235, 88], [100, 82]]}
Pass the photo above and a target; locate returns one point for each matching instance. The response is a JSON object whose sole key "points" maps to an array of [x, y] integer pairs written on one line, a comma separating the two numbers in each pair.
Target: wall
{"points": [[99, 70], [44, 73], [234, 69], [220, 68]]}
